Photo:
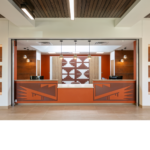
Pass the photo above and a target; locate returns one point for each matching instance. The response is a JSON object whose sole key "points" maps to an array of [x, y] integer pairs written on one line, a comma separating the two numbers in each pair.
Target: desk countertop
{"points": [[37, 80], [75, 85], [114, 80]]}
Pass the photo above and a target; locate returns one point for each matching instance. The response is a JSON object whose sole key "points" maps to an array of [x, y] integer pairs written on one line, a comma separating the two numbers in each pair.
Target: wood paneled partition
{"points": [[57, 69], [26, 69], [0, 53], [149, 54], [0, 71], [125, 68], [0, 88], [94, 68]]}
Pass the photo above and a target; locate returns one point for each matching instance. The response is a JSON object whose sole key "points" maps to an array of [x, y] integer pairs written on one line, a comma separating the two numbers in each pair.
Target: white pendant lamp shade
{"points": [[89, 56], [61, 56], [28, 60], [75, 56], [24, 56], [125, 56]]}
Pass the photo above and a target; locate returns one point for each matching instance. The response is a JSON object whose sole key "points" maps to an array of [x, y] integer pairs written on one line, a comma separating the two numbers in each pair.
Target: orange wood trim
{"points": [[75, 95]]}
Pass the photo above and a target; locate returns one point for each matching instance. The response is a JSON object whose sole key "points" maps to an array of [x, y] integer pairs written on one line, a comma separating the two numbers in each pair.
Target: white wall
{"points": [[79, 28], [5, 98]]}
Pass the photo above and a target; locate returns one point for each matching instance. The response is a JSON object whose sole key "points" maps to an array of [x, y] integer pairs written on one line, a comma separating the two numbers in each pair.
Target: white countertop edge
{"points": [[75, 85], [37, 80]]}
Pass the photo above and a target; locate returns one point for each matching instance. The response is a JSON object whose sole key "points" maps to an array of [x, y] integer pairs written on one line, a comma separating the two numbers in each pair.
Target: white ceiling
{"points": [[68, 46]]}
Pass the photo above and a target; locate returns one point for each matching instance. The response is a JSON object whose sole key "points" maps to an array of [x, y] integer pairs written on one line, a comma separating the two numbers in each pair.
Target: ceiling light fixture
{"points": [[100, 52], [71, 2], [89, 56], [75, 55], [26, 11], [51, 52], [125, 56], [61, 55]]}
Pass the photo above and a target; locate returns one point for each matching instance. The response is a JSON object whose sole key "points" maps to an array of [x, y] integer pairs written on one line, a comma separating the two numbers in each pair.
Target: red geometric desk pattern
{"points": [[36, 91], [114, 92]]}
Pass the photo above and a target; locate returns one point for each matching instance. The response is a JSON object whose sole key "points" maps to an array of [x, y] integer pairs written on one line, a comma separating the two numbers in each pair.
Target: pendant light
{"points": [[24, 56], [75, 55], [61, 56], [125, 56], [89, 56]]}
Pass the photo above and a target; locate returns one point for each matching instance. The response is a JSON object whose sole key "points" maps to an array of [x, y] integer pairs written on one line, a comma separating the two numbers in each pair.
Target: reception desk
{"points": [[49, 91]]}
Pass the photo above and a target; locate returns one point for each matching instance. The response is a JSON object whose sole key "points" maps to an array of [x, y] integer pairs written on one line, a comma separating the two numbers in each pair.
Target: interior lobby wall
{"points": [[45, 66], [26, 69], [125, 68], [79, 28]]}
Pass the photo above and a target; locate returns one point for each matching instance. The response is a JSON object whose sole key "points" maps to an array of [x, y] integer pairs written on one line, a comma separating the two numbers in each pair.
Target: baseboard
{"points": [[63, 104], [144, 106], [5, 107]]}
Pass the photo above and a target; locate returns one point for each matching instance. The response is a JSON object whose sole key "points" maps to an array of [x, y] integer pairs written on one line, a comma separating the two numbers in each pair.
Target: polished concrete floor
{"points": [[75, 112]]}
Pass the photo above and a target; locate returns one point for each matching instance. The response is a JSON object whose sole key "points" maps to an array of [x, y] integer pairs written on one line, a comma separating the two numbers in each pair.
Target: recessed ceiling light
{"points": [[75, 52], [51, 52], [101, 43], [99, 52], [71, 2], [45, 43]]}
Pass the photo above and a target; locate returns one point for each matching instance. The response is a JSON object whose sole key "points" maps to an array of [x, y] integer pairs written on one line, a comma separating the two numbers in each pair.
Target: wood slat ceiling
{"points": [[148, 16], [1, 16], [83, 8]]}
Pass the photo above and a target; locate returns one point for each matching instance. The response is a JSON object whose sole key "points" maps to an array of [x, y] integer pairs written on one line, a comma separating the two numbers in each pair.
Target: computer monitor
{"points": [[36, 77], [115, 77]]}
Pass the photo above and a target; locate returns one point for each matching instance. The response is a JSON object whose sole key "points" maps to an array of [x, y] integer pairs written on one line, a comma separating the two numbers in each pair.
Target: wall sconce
{"points": [[121, 60], [24, 56], [125, 56], [28, 60]]}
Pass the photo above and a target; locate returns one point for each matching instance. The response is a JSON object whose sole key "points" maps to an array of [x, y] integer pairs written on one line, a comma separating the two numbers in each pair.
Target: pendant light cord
{"points": [[89, 47], [75, 47]]}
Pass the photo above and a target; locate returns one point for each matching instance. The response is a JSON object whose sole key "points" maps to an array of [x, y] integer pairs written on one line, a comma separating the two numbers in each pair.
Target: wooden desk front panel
{"points": [[36, 91], [114, 91]]}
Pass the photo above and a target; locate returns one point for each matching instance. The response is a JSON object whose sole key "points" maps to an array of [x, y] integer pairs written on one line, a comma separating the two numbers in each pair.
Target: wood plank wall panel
{"points": [[94, 68], [149, 71], [125, 68], [57, 69], [45, 66], [0, 87], [0, 54], [26, 69], [0, 71], [83, 8], [148, 54]]}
